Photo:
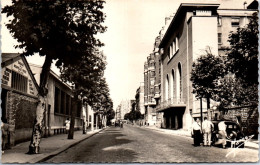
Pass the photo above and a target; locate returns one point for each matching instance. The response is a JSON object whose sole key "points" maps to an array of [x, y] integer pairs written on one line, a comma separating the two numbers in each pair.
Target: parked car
{"points": [[233, 130]]}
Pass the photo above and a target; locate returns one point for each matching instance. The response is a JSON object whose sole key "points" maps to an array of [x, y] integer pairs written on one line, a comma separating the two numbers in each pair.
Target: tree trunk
{"points": [[208, 108], [73, 114], [34, 147], [84, 112]]}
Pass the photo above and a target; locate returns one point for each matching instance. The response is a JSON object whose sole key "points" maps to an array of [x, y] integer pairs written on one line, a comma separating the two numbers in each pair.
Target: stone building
{"points": [[192, 30], [19, 98]]}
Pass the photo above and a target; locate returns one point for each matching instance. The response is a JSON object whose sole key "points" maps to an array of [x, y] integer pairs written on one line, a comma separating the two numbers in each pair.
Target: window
{"points": [[19, 82], [57, 100], [63, 101], [235, 22], [219, 21], [169, 52], [219, 38], [152, 82], [152, 73], [177, 43], [173, 47]]}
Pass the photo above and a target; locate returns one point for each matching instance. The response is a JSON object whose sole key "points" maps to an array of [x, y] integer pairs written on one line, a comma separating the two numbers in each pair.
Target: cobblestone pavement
{"points": [[134, 144]]}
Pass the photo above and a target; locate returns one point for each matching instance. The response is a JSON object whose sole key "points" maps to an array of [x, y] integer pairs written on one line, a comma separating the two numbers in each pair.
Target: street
{"points": [[135, 144]]}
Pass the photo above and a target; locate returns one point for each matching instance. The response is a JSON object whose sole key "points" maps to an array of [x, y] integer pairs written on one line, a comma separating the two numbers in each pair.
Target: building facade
{"points": [[149, 90], [59, 104], [194, 29], [19, 98], [139, 98], [125, 107]]}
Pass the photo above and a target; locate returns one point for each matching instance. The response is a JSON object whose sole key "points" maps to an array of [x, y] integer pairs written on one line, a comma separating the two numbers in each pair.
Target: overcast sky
{"points": [[133, 26]]}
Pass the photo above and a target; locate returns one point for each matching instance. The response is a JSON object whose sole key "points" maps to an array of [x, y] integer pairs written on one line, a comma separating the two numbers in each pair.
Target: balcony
{"points": [[170, 103], [157, 95], [152, 103], [151, 68]]}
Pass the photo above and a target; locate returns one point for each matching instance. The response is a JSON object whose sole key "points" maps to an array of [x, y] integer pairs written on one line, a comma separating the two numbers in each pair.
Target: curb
{"points": [[162, 130], [64, 148]]}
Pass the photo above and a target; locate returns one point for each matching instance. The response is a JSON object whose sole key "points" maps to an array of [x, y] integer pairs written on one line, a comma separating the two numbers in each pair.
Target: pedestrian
{"points": [[121, 124], [67, 124], [4, 129], [196, 132], [222, 134], [207, 127]]}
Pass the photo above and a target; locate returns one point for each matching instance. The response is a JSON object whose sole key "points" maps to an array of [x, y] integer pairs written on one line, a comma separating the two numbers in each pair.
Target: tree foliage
{"points": [[205, 74], [133, 114], [231, 80], [61, 30], [242, 59], [54, 28]]}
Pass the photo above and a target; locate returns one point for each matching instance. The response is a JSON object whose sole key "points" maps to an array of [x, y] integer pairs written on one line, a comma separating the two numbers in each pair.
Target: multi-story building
{"points": [[192, 30], [125, 107], [139, 98], [149, 90], [118, 113]]}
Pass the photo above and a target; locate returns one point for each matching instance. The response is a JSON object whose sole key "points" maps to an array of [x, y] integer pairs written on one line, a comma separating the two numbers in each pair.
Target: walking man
{"points": [[207, 127]]}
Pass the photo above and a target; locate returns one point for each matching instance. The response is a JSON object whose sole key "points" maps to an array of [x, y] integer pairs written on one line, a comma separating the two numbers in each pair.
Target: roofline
{"points": [[54, 75], [182, 7], [27, 65]]}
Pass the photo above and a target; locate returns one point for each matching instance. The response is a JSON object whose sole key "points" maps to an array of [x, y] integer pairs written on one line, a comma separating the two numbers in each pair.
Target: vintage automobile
{"points": [[234, 133]]}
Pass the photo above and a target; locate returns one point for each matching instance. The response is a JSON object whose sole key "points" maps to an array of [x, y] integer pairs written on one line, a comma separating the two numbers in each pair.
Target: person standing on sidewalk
{"points": [[196, 132], [67, 124], [222, 134], [207, 127]]}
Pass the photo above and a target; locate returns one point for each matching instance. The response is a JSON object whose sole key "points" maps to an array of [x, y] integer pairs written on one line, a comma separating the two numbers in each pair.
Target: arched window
{"points": [[167, 88], [179, 83], [173, 84]]}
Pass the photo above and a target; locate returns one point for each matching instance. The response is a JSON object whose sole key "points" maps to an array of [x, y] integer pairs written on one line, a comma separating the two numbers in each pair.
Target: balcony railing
{"points": [[171, 102], [151, 68]]}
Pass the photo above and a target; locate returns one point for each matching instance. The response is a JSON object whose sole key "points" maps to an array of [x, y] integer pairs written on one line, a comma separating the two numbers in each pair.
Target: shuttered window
{"points": [[19, 82]]}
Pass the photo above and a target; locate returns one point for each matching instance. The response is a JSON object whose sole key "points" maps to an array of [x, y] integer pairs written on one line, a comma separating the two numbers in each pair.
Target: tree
{"points": [[134, 114], [206, 72], [242, 59], [241, 89], [83, 77], [232, 92], [54, 29]]}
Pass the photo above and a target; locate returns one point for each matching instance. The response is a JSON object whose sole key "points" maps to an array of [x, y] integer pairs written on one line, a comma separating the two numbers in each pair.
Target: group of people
{"points": [[205, 130]]}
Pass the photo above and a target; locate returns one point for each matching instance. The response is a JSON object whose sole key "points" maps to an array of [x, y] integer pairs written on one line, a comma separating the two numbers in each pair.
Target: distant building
{"points": [[149, 90], [125, 107], [118, 113], [139, 98]]}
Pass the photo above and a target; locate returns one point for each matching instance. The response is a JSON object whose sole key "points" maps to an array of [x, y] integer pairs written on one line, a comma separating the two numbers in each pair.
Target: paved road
{"points": [[135, 144]]}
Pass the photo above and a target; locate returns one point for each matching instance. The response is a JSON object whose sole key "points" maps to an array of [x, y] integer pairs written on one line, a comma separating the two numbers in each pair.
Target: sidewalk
{"points": [[252, 143], [49, 147]]}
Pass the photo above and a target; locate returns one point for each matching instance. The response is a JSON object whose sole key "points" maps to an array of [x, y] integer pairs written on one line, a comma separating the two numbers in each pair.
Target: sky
{"points": [[132, 26]]}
